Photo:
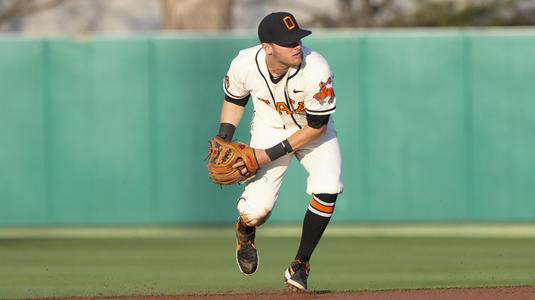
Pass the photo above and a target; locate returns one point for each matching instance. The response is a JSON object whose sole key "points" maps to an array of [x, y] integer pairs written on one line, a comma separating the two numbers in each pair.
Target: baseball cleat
{"points": [[246, 253], [296, 276]]}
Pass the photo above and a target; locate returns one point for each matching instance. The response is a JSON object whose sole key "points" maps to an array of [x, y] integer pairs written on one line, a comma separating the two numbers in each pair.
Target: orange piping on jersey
{"points": [[265, 101]]}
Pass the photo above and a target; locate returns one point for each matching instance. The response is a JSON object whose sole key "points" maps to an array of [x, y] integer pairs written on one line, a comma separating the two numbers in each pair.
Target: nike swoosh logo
{"points": [[296, 91]]}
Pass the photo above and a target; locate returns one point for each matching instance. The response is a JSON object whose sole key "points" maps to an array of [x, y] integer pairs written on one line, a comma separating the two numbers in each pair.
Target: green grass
{"points": [[204, 263]]}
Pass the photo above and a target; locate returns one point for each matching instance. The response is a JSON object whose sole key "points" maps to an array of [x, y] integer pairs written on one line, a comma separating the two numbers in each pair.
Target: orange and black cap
{"points": [[280, 28]]}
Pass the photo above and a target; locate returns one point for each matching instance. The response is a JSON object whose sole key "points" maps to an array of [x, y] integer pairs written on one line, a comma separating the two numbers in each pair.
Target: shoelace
{"points": [[246, 238]]}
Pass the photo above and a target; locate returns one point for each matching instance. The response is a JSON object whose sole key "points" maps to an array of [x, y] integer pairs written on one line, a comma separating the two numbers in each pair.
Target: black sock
{"points": [[317, 218]]}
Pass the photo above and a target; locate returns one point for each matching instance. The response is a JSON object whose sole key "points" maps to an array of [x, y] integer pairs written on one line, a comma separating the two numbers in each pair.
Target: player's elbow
{"points": [[319, 131], [322, 129]]}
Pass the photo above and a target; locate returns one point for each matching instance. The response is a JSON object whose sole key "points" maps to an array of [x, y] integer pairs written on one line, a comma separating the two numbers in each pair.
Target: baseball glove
{"points": [[222, 155]]}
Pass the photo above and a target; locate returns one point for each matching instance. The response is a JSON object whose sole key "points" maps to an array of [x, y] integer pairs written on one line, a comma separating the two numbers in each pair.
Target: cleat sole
{"points": [[293, 289], [292, 286], [244, 273]]}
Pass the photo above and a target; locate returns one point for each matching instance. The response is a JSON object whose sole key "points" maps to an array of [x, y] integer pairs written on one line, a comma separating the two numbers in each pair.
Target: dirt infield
{"points": [[503, 293]]}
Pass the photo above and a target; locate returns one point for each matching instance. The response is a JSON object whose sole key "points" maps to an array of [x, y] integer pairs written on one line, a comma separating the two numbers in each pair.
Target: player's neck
{"points": [[275, 67]]}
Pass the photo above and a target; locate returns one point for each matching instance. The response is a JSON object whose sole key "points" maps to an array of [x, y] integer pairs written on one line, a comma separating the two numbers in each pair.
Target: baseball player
{"points": [[291, 88]]}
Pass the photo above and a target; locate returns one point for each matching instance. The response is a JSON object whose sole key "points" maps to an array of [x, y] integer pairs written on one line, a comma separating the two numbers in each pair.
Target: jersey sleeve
{"points": [[234, 82], [320, 99]]}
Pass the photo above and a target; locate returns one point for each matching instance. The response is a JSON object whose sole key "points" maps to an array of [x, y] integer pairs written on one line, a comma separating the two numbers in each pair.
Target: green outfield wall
{"points": [[433, 125]]}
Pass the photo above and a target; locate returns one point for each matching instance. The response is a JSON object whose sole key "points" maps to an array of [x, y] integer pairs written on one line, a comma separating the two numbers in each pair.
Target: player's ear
{"points": [[267, 48]]}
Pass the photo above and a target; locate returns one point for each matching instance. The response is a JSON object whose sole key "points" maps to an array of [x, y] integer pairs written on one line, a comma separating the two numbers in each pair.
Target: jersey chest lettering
{"points": [[282, 107]]}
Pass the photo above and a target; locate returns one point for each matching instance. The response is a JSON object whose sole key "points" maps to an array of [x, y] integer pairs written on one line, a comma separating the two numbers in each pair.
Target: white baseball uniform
{"points": [[280, 110]]}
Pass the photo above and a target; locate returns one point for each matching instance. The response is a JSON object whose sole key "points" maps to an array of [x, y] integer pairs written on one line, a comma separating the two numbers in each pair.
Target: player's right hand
{"points": [[261, 157]]}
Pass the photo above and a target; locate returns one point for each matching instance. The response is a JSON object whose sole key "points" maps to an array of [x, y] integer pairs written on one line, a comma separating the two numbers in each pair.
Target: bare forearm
{"points": [[297, 140], [231, 113], [304, 136]]}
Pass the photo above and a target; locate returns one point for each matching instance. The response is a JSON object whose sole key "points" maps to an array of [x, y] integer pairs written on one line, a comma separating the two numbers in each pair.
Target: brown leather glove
{"points": [[222, 155]]}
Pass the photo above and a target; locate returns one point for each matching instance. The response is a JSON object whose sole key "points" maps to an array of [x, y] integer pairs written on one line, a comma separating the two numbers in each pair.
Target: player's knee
{"points": [[255, 219], [327, 186], [252, 216]]}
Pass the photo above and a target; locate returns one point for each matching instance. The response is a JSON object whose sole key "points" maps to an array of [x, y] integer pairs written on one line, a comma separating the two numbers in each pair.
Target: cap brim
{"points": [[296, 36]]}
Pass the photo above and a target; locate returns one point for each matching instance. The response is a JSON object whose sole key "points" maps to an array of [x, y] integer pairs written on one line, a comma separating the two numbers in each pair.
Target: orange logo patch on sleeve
{"points": [[326, 92]]}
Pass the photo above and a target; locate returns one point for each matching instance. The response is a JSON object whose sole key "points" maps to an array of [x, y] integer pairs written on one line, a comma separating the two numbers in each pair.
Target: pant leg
{"points": [[260, 194], [322, 160]]}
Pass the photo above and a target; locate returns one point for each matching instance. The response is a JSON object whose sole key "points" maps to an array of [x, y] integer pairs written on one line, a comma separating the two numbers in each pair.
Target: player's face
{"points": [[289, 55]]}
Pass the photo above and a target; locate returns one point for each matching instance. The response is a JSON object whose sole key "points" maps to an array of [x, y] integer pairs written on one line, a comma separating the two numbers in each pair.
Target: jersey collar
{"points": [[262, 66]]}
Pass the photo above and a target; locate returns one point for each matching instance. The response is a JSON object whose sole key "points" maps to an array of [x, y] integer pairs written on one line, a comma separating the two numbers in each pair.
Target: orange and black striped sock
{"points": [[317, 218]]}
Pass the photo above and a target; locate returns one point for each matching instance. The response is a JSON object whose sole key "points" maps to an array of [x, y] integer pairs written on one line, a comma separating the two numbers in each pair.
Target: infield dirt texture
{"points": [[381, 262]]}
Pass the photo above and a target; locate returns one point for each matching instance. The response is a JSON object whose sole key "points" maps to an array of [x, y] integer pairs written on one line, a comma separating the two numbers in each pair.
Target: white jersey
{"points": [[305, 89], [280, 110]]}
